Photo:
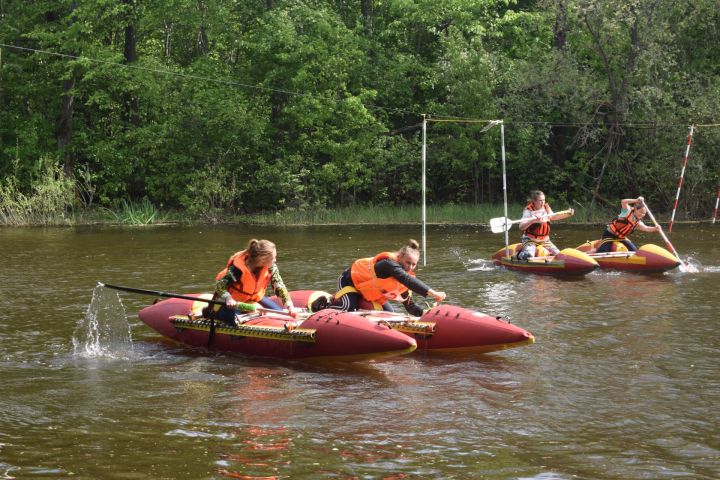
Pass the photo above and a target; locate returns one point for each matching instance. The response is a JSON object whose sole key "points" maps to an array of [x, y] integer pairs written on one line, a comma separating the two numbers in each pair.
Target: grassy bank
{"points": [[144, 213], [435, 214], [58, 200]]}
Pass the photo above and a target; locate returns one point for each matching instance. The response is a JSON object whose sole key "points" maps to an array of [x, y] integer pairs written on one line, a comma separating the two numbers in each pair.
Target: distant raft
{"points": [[444, 328], [648, 258], [327, 334], [568, 261]]}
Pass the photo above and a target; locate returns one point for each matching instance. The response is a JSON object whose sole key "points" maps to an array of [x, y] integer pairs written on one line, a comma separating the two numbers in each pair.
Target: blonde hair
{"points": [[534, 194], [259, 250], [412, 247]]}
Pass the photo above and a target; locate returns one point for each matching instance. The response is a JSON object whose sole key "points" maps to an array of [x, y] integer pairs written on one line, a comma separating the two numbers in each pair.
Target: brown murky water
{"points": [[623, 382]]}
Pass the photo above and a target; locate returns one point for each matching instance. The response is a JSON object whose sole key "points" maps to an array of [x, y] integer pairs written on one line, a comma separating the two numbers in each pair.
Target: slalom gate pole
{"points": [[682, 176], [424, 211], [504, 175], [717, 201]]}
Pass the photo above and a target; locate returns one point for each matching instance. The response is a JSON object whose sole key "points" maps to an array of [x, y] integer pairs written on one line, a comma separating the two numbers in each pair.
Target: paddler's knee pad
{"points": [[319, 301]]}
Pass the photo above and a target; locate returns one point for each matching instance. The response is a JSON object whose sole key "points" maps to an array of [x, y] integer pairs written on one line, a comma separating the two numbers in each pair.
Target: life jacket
{"points": [[539, 231], [249, 287], [372, 288], [623, 226]]}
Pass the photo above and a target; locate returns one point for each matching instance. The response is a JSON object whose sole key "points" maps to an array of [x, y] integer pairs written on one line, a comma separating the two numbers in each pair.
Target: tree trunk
{"points": [[65, 124], [202, 39], [65, 130], [131, 104], [558, 134], [560, 29], [366, 9]]}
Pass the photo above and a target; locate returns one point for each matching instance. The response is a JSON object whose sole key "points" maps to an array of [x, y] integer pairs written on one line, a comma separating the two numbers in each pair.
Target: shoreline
{"points": [[311, 224]]}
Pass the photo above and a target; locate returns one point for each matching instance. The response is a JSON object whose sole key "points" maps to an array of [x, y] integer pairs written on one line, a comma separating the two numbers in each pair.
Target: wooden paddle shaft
{"points": [[662, 234]]}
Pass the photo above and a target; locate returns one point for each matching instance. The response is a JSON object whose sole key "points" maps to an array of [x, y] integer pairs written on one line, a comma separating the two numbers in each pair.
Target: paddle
{"points": [[245, 307], [498, 225], [611, 254], [667, 242]]}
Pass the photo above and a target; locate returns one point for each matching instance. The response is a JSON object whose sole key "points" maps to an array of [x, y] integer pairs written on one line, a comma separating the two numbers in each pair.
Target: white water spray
{"points": [[105, 331]]}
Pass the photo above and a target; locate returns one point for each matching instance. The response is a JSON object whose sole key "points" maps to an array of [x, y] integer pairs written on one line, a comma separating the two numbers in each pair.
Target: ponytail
{"points": [[412, 245], [259, 249]]}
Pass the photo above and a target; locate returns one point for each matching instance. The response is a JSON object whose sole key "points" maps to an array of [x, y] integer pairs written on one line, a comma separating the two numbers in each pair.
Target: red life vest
{"points": [[372, 288], [539, 231], [249, 287], [623, 226]]}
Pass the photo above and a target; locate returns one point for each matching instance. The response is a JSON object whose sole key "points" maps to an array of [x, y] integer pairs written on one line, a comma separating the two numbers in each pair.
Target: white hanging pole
{"points": [[505, 209], [717, 202], [424, 163], [682, 176]]}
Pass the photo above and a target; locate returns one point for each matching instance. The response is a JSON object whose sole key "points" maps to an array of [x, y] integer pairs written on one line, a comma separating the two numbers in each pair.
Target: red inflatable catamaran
{"points": [[324, 334], [444, 328], [329, 333]]}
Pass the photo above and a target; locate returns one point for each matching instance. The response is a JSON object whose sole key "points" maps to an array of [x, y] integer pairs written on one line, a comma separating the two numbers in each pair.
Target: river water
{"points": [[623, 382]]}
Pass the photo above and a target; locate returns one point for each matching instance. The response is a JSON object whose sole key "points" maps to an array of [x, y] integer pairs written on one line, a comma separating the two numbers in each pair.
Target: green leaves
{"points": [[231, 106]]}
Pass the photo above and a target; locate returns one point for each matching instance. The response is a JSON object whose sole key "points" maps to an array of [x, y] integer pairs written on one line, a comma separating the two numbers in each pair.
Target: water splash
{"points": [[105, 331], [479, 264], [690, 266], [486, 267]]}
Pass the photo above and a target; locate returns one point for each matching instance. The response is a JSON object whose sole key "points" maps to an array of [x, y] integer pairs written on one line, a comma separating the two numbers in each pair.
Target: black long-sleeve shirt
{"points": [[389, 268]]}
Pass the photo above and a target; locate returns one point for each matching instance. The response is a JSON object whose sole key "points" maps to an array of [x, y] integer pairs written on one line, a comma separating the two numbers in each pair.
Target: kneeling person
{"points": [[386, 276], [631, 214]]}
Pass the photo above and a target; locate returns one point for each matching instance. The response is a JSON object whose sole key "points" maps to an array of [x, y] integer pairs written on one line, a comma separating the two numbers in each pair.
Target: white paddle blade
{"points": [[500, 224]]}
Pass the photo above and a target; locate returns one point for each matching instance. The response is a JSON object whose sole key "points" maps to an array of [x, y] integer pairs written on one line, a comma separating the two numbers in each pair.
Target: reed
{"points": [[51, 199], [141, 212]]}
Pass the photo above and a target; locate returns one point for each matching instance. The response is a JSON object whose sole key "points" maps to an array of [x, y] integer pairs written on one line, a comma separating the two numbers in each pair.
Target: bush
{"points": [[51, 196]]}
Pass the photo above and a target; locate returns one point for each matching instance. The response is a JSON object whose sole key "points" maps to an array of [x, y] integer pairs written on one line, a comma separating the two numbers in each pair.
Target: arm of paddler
{"points": [[279, 288], [410, 306], [387, 268], [245, 307], [528, 218]]}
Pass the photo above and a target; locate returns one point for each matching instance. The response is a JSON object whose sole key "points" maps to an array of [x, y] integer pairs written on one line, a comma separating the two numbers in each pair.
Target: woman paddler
{"points": [[386, 276], [243, 282], [632, 211], [535, 226]]}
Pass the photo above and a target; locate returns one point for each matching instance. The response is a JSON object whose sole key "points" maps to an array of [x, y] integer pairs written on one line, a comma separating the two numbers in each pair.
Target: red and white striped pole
{"points": [[717, 201], [682, 176]]}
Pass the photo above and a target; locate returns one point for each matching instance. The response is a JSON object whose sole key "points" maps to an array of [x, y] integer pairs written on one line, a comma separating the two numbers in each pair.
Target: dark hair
{"points": [[259, 249]]}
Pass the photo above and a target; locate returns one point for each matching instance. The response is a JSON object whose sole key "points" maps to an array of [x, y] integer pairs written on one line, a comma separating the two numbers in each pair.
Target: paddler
{"points": [[386, 276], [630, 218], [244, 280], [535, 226]]}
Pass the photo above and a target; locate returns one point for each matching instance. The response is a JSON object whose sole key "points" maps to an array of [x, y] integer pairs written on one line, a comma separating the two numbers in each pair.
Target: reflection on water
{"points": [[621, 383]]}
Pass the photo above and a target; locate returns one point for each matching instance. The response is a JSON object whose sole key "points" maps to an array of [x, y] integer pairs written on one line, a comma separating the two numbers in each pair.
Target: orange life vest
{"points": [[372, 288], [623, 226], [539, 231], [250, 287]]}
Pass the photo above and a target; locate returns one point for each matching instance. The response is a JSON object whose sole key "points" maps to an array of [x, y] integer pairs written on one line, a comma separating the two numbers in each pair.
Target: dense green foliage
{"points": [[227, 106]]}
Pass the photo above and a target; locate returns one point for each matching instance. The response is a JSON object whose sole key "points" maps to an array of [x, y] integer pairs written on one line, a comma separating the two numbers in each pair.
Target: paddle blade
{"points": [[500, 224]]}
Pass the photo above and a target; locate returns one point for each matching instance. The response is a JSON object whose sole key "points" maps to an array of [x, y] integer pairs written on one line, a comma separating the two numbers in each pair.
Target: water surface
{"points": [[621, 384]]}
